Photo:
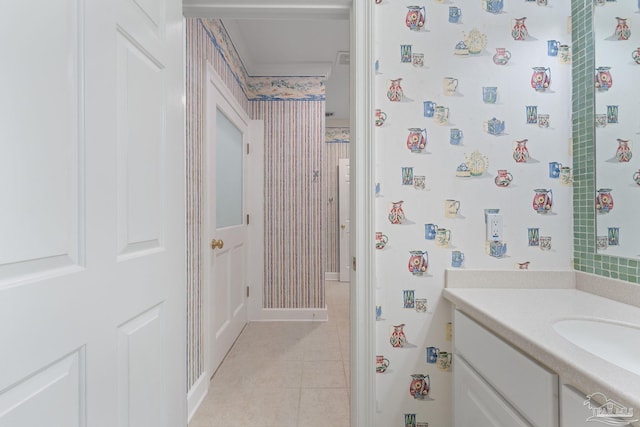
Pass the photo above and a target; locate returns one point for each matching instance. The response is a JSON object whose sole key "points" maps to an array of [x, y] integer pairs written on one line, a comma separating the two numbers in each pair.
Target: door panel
{"points": [[92, 274], [344, 203], [238, 267], [139, 362], [40, 228], [221, 295], [55, 393], [140, 149]]}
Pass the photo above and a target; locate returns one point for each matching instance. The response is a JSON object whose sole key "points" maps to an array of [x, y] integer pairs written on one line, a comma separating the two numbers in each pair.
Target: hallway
{"points": [[285, 374]]}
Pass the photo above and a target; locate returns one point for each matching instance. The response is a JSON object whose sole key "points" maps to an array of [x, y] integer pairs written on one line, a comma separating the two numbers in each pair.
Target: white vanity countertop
{"points": [[525, 317]]}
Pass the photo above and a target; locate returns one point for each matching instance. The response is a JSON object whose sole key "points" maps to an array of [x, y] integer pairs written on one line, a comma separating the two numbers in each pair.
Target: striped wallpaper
{"points": [[294, 256], [294, 134], [194, 136], [335, 149]]}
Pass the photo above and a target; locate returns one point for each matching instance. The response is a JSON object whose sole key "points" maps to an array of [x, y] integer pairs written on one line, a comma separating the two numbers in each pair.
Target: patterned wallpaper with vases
{"points": [[473, 170], [293, 110]]}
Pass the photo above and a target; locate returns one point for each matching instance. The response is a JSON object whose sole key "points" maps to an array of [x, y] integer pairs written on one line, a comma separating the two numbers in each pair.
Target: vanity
{"points": [[530, 356]]}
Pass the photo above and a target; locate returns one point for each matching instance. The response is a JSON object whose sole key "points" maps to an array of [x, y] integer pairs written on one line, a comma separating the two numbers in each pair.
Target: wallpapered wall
{"points": [[294, 212], [293, 111], [463, 53], [336, 147]]}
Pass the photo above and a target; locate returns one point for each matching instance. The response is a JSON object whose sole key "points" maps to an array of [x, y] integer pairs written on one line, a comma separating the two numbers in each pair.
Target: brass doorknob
{"points": [[343, 226], [217, 244]]}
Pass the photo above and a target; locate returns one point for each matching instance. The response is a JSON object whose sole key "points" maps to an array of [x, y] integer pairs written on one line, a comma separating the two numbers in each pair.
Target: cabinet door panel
{"points": [[477, 404], [573, 412], [528, 387]]}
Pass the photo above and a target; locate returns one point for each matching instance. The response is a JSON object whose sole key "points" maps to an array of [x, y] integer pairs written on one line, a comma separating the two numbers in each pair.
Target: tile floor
{"points": [[285, 374]]}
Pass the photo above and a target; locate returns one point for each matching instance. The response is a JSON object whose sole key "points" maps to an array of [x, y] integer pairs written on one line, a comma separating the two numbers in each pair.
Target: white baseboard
{"points": [[329, 275], [292, 314], [196, 395]]}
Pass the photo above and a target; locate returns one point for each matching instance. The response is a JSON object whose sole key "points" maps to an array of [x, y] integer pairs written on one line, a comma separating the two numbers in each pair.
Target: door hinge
{"points": [[353, 263], [247, 292], [247, 149], [247, 219]]}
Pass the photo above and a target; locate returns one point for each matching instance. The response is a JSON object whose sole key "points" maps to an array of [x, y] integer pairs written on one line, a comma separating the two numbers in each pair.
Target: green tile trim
{"points": [[584, 219]]}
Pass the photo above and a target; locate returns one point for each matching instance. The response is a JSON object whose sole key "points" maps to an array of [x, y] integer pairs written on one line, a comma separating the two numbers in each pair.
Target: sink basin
{"points": [[614, 342]]}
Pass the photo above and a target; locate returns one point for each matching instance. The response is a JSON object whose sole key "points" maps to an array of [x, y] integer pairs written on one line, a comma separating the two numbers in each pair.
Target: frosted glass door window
{"points": [[229, 186]]}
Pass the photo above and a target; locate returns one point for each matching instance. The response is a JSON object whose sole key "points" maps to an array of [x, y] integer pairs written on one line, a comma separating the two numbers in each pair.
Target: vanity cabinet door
{"points": [[477, 404], [528, 387], [573, 412]]}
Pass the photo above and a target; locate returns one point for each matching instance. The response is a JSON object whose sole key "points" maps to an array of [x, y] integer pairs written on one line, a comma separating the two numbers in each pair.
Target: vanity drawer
{"points": [[529, 387]]}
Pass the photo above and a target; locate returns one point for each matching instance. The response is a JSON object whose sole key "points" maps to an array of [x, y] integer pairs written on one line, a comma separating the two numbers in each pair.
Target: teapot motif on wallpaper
{"points": [[475, 41], [477, 163], [494, 126]]}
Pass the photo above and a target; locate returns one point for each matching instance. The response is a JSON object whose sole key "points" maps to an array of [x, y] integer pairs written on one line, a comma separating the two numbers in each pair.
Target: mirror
{"points": [[617, 126]]}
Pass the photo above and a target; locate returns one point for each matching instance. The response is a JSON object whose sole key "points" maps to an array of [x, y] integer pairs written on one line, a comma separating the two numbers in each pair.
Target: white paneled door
{"points": [[344, 218], [92, 271], [227, 278]]}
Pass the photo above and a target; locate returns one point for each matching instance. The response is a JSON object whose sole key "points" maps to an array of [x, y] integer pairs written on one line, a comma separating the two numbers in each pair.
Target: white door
{"points": [[92, 271], [344, 218], [227, 138]]}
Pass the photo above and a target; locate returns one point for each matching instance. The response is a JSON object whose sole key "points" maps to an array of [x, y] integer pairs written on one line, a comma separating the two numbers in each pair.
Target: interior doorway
{"points": [[361, 235]]}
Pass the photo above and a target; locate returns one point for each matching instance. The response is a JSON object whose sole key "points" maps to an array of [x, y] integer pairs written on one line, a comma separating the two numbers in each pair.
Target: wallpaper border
{"points": [[262, 88]]}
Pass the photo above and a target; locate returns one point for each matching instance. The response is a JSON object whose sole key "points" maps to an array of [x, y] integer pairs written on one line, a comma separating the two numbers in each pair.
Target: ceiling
{"points": [[289, 38]]}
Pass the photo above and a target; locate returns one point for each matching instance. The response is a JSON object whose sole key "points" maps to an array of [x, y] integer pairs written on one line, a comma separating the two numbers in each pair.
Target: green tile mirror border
{"points": [[584, 217]]}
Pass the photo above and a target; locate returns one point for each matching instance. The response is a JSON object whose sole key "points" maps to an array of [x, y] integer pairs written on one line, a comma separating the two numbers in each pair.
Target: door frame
{"points": [[362, 174]]}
